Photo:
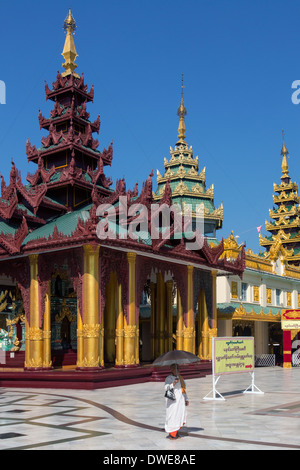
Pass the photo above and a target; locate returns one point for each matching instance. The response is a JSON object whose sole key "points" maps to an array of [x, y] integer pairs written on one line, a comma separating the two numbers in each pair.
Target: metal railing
{"points": [[265, 360], [296, 358]]}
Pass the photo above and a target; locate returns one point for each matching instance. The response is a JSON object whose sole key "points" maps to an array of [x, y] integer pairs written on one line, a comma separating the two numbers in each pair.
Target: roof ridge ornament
{"points": [[284, 152], [69, 52], [181, 113]]}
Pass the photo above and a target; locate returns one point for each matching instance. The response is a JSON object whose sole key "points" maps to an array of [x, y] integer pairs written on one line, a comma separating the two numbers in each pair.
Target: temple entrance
{"points": [[65, 334], [110, 316], [145, 321], [63, 320], [275, 343], [243, 328], [157, 317]]}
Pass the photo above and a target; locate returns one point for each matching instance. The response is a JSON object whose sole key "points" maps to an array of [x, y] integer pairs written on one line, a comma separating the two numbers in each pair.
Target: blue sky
{"points": [[239, 59]]}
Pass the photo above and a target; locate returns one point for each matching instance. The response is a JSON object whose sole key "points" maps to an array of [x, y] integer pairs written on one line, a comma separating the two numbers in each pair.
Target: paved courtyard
{"points": [[131, 417]]}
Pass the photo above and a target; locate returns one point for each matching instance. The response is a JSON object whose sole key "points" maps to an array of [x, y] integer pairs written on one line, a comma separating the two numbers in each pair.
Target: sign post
{"points": [[290, 320], [232, 355]]}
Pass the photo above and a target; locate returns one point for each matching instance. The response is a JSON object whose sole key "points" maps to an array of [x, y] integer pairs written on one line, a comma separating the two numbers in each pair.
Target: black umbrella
{"points": [[175, 357]]}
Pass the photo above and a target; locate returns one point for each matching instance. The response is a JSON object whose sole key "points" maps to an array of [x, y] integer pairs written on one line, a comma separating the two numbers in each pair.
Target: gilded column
{"points": [[91, 327], [180, 323], [205, 328], [156, 322], [213, 331], [161, 307], [169, 329], [119, 329], [47, 363], [152, 320], [101, 344], [130, 333], [201, 300], [27, 343], [189, 330], [35, 357], [80, 351], [110, 319]]}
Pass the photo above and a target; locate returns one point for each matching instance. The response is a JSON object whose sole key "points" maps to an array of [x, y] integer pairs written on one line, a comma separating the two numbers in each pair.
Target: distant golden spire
{"points": [[284, 153], [69, 53], [181, 113]]}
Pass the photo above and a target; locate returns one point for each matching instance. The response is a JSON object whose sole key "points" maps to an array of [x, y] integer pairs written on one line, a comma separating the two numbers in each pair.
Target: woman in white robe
{"points": [[175, 409]]}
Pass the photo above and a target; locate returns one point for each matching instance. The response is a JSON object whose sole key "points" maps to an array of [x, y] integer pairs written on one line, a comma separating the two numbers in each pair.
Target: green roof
{"points": [[7, 229], [66, 224], [229, 308]]}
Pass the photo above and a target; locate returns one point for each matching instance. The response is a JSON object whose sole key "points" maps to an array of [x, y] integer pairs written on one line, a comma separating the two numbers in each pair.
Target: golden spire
{"points": [[181, 113], [284, 152], [69, 53]]}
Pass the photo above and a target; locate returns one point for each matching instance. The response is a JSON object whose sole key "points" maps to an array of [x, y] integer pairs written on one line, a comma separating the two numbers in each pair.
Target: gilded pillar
{"points": [[200, 322], [130, 329], [205, 327], [27, 343], [119, 329], [169, 329], [161, 307], [179, 323], [35, 333], [91, 327], [189, 330], [110, 319], [80, 351], [47, 363], [156, 322], [152, 320], [213, 331], [101, 343]]}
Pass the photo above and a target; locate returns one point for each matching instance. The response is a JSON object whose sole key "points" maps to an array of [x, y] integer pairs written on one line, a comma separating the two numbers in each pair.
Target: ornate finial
{"points": [[69, 53], [284, 152], [182, 86], [181, 113]]}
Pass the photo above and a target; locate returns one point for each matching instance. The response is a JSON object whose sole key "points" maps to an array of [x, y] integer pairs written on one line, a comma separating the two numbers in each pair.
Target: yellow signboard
{"points": [[290, 325], [233, 354], [290, 319]]}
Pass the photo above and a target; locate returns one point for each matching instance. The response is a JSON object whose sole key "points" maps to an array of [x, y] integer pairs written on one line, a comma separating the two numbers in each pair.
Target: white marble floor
{"points": [[131, 417]]}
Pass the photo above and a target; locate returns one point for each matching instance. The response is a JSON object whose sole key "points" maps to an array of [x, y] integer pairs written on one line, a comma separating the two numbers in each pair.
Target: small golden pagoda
{"points": [[187, 184], [285, 224]]}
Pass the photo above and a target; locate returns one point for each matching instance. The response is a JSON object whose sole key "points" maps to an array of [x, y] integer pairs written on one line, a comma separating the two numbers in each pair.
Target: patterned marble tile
{"points": [[132, 417]]}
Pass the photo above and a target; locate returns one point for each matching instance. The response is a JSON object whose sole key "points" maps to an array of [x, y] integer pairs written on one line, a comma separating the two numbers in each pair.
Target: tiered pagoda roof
{"points": [[69, 161], [69, 164], [285, 221], [187, 184]]}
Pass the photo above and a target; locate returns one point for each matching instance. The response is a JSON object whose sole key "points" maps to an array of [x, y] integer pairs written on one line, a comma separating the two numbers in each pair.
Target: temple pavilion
{"points": [[72, 277]]}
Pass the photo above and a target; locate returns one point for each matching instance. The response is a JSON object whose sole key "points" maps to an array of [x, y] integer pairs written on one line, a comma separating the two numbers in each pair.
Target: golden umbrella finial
{"points": [[69, 53], [284, 152], [181, 113]]}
